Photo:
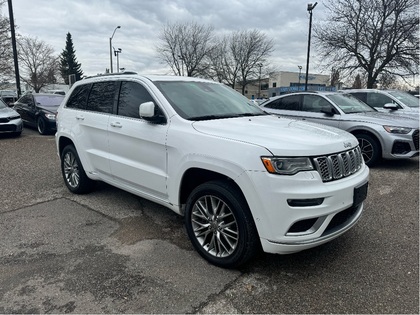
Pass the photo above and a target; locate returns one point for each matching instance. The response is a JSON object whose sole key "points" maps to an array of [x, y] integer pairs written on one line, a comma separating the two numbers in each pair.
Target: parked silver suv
{"points": [[388, 101], [380, 135]]}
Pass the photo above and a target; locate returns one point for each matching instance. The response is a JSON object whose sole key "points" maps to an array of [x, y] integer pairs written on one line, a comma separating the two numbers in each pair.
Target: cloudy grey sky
{"points": [[91, 23]]}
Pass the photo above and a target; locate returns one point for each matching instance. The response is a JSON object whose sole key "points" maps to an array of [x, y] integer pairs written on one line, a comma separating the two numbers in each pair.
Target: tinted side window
{"points": [[101, 97], [132, 94], [315, 103], [78, 98], [360, 95], [27, 99], [286, 103], [378, 100]]}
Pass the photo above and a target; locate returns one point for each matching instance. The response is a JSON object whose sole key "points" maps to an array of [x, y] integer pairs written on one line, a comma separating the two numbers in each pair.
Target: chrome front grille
{"points": [[336, 166]]}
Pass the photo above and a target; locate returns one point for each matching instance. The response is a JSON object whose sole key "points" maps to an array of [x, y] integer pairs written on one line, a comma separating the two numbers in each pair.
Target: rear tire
{"points": [[220, 225], [73, 173], [371, 149]]}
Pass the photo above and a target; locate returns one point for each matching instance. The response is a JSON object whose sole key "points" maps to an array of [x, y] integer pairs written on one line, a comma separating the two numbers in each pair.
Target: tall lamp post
{"points": [[117, 54], [110, 48], [310, 8], [259, 79], [300, 73]]}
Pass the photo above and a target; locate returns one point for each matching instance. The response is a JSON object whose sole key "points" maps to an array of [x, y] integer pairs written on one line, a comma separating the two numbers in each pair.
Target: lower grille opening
{"points": [[302, 226], [401, 148], [340, 219]]}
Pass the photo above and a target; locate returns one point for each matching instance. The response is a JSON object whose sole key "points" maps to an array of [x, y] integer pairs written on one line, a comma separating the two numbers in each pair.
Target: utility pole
{"points": [[15, 55]]}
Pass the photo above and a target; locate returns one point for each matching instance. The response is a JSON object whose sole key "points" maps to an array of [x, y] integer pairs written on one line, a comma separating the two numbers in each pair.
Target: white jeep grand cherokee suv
{"points": [[243, 179]]}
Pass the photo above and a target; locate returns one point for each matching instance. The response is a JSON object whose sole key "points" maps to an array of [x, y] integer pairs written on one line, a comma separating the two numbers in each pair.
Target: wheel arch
{"points": [[196, 176], [369, 133]]}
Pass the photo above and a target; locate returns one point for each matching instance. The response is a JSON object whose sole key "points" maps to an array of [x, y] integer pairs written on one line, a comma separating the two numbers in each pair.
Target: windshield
{"points": [[349, 104], [405, 98], [206, 100], [2, 104], [52, 100]]}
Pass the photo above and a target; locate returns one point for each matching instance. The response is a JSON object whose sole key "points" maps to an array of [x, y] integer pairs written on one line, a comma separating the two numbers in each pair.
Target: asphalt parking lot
{"points": [[112, 252]]}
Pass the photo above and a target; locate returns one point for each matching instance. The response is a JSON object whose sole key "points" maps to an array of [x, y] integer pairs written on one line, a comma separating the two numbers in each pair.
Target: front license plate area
{"points": [[360, 194]]}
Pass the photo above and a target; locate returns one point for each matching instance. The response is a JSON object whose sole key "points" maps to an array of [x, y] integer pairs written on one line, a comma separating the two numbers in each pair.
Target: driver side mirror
{"points": [[148, 111], [328, 110], [391, 106]]}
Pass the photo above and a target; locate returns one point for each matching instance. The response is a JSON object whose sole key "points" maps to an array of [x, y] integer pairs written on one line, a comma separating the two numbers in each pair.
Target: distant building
{"points": [[255, 89], [285, 82]]}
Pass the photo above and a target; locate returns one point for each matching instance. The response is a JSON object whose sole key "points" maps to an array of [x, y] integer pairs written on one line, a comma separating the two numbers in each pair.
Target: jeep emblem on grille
{"points": [[347, 144]]}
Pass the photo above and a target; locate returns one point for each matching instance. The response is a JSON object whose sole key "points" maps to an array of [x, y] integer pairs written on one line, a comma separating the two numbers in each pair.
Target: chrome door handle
{"points": [[80, 118]]}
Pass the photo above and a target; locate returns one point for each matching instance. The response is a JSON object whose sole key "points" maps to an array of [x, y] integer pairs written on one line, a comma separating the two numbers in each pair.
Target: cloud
{"points": [[91, 24]]}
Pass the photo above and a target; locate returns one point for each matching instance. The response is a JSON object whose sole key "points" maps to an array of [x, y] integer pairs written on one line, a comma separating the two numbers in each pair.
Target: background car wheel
{"points": [[220, 225], [371, 149], [73, 173], [42, 126]]}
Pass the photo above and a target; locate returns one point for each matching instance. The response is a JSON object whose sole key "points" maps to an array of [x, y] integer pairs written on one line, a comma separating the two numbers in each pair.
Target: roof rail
{"points": [[110, 74]]}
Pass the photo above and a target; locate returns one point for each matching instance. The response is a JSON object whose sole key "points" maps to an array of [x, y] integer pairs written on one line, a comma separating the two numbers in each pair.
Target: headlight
{"points": [[50, 116], [399, 130], [287, 166]]}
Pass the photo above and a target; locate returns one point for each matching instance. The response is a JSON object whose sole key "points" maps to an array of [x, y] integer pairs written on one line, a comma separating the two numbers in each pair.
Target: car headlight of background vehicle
{"points": [[399, 130], [50, 116], [286, 166]]}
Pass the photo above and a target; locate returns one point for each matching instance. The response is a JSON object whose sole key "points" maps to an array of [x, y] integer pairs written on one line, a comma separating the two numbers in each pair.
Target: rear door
{"points": [[87, 116], [137, 147]]}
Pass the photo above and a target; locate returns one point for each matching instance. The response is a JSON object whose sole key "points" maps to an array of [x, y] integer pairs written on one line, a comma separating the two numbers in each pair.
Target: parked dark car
{"points": [[38, 110], [10, 121]]}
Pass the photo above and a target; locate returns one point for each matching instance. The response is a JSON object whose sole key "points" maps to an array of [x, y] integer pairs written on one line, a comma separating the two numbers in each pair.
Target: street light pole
{"points": [[117, 54], [110, 48], [259, 80], [300, 71], [310, 8]]}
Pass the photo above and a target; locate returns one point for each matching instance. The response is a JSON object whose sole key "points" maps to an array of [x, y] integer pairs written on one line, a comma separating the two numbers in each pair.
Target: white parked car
{"points": [[243, 179]]}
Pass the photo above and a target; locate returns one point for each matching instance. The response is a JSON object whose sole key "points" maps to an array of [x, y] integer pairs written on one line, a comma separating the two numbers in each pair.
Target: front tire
{"points": [[220, 225], [41, 126], [73, 173], [370, 147]]}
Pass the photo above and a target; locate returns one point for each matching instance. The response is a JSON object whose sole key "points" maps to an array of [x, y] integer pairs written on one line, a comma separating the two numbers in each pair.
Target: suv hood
{"points": [[384, 119], [281, 136]]}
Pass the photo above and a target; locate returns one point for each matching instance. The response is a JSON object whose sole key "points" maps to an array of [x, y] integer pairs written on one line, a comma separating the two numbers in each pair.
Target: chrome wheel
{"points": [[215, 226], [71, 170]]}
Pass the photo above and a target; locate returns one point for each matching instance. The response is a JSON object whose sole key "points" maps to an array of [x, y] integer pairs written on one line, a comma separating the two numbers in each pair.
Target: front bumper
{"points": [[293, 213]]}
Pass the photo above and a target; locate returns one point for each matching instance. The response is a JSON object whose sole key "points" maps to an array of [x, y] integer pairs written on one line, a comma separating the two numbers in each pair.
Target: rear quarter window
{"points": [[78, 99]]}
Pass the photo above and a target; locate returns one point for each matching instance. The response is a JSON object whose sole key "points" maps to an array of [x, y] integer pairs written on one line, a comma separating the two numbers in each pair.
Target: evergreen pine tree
{"points": [[68, 62]]}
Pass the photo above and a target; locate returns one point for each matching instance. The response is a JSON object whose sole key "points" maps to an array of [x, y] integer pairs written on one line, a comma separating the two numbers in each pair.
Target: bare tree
{"points": [[250, 48], [6, 52], [185, 46], [373, 36], [39, 63], [238, 56]]}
